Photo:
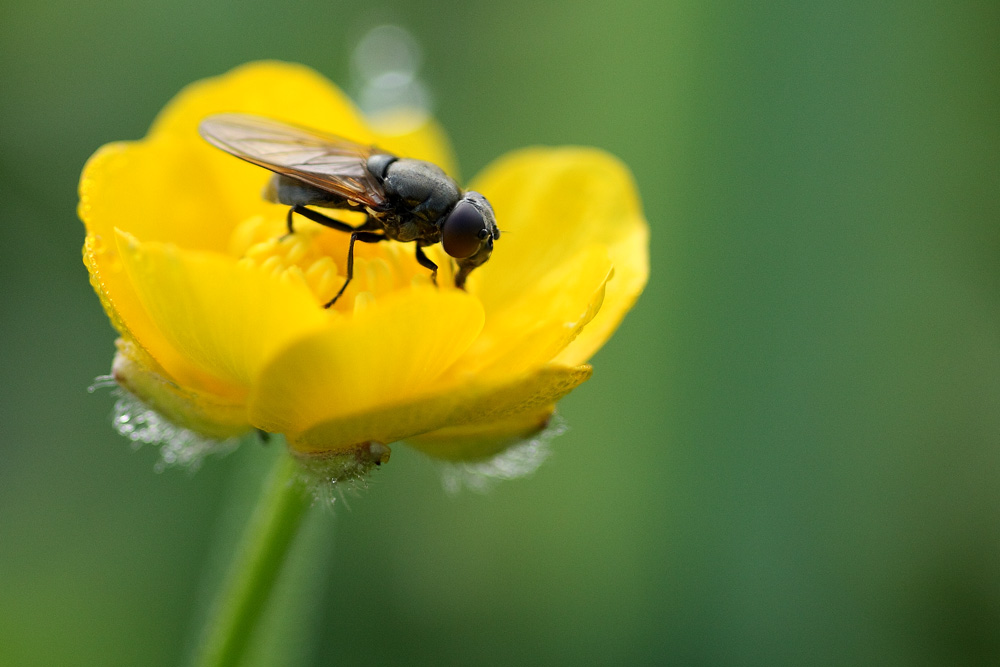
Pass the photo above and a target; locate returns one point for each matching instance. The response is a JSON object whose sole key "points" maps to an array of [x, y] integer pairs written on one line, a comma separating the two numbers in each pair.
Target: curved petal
{"points": [[630, 256], [130, 319], [454, 406], [227, 317], [543, 320], [389, 352], [553, 201], [297, 94], [206, 414], [572, 214]]}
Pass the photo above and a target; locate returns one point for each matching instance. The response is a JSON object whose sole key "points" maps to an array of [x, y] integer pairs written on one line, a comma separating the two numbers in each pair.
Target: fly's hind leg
{"points": [[364, 237], [426, 262]]}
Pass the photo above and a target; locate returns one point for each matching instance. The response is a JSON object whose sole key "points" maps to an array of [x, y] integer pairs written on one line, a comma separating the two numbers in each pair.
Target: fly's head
{"points": [[468, 233]]}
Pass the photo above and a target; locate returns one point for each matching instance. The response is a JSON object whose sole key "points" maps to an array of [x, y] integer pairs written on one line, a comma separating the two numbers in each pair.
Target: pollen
{"points": [[317, 256]]}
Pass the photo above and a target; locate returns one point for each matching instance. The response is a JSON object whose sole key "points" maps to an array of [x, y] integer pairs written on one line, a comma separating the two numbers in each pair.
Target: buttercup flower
{"points": [[221, 323]]}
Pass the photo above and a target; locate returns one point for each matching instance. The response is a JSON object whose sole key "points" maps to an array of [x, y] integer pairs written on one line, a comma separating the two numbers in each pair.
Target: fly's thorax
{"points": [[420, 189], [378, 164]]}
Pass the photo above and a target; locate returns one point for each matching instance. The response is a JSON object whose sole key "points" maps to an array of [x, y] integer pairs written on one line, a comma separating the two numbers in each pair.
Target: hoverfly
{"points": [[404, 199]]}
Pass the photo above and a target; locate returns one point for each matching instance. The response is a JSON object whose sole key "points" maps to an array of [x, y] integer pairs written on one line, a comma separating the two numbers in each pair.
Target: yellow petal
{"points": [[571, 216], [533, 329], [630, 256], [123, 186], [130, 319], [227, 317], [386, 354], [280, 90], [553, 201], [454, 406], [206, 414]]}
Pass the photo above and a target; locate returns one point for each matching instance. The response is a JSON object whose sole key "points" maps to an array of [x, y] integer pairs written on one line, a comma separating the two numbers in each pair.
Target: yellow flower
{"points": [[221, 321]]}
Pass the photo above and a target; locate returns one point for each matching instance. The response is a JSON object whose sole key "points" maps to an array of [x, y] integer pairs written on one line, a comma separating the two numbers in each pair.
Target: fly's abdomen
{"points": [[285, 190]]}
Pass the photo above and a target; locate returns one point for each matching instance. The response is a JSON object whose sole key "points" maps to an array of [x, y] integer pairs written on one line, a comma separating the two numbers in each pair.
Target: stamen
{"points": [[317, 257], [294, 274], [297, 250], [272, 265], [363, 301]]}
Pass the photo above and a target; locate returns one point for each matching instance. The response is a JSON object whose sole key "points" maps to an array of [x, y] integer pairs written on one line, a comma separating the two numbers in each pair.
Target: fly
{"points": [[404, 199]]}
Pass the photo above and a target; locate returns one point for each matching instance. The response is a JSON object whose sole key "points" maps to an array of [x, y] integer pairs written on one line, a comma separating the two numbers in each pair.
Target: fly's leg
{"points": [[324, 220], [364, 237], [463, 273], [426, 262]]}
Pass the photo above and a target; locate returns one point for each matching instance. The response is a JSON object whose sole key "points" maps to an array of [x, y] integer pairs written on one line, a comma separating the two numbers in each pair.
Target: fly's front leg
{"points": [[426, 262], [364, 237]]}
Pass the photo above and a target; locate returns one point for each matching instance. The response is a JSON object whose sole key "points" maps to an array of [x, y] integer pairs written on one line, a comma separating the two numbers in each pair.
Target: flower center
{"points": [[318, 256]]}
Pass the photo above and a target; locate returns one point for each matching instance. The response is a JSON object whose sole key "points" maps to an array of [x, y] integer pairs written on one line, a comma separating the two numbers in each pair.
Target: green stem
{"points": [[265, 544]]}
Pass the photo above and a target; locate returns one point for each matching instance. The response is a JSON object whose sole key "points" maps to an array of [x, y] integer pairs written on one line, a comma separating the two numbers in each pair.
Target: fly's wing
{"points": [[324, 161]]}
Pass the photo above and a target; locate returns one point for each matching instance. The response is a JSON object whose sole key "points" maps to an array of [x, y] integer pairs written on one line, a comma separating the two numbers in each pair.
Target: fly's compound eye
{"points": [[463, 231]]}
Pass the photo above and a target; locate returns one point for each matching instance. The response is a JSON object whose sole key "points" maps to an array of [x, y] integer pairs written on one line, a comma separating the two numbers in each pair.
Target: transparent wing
{"points": [[324, 161]]}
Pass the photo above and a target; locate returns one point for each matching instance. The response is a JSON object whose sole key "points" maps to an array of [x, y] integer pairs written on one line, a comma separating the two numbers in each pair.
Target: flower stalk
{"points": [[250, 581]]}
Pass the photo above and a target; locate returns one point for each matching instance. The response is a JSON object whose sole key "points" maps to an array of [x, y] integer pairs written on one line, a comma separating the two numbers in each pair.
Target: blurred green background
{"points": [[788, 455]]}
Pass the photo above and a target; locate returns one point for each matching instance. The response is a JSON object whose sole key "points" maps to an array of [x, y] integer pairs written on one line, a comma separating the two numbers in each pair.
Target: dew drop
{"points": [[177, 445], [515, 462], [102, 382]]}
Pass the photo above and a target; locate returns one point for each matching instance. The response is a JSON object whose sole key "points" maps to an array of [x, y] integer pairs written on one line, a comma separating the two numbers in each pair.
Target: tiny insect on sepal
{"points": [[352, 464]]}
